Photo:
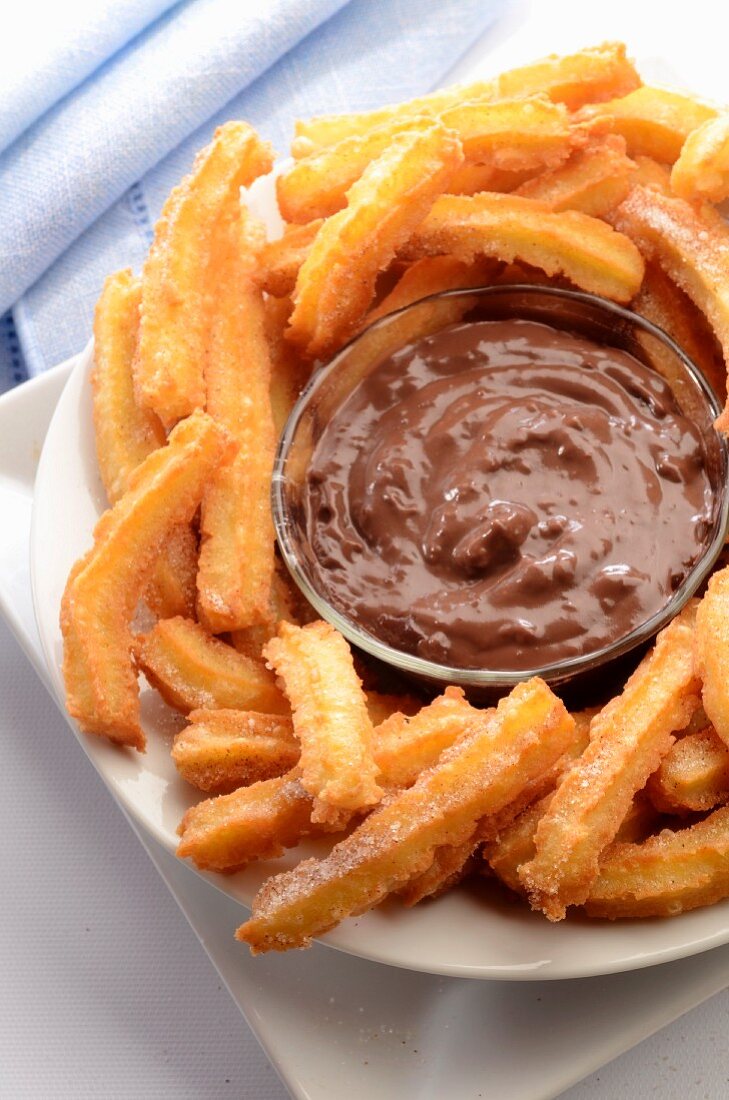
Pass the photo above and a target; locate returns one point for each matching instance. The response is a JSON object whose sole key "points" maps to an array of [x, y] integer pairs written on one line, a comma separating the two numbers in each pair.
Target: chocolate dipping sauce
{"points": [[505, 495]]}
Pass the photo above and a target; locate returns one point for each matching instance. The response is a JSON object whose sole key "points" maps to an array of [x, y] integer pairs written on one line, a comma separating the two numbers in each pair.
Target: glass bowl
{"points": [[588, 675]]}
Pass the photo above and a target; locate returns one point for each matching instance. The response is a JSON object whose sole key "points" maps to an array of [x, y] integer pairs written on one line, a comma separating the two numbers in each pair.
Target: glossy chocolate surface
{"points": [[505, 495]]}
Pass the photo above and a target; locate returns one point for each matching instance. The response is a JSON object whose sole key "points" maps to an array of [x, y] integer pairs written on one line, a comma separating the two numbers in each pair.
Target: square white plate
{"points": [[318, 1013]]}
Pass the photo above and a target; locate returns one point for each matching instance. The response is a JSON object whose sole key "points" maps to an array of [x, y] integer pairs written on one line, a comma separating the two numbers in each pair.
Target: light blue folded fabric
{"points": [[369, 53], [54, 49], [64, 171]]}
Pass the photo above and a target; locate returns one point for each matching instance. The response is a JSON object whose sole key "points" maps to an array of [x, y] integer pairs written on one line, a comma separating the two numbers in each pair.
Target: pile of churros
{"points": [[569, 171]]}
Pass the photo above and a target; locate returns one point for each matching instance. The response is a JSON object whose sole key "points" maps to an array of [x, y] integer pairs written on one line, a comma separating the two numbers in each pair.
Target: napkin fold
{"points": [[67, 168], [80, 189], [50, 52]]}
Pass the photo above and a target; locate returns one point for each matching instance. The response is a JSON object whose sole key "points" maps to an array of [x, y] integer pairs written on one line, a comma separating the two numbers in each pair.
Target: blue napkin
{"points": [[54, 50], [82, 185]]}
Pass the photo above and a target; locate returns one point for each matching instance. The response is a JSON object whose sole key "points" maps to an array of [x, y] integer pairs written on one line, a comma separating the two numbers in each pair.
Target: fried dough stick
{"points": [[187, 661], [237, 549], [105, 586], [336, 282], [514, 845], [661, 301], [587, 76], [172, 588], [667, 874], [449, 864], [289, 374], [593, 180], [452, 862], [330, 718], [693, 776], [281, 259], [126, 434], [712, 652], [531, 133], [432, 275], [692, 246], [653, 121], [382, 706], [192, 669], [651, 173], [472, 178], [702, 169], [175, 290], [405, 744], [258, 822], [628, 739], [479, 775], [286, 602], [425, 315], [224, 749], [509, 227], [513, 135], [593, 74]]}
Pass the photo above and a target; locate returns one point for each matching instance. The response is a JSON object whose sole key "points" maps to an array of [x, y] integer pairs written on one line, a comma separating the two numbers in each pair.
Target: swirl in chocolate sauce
{"points": [[505, 495]]}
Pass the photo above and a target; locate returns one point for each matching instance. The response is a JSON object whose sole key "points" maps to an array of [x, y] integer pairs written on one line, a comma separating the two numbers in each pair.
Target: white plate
{"points": [[467, 933]]}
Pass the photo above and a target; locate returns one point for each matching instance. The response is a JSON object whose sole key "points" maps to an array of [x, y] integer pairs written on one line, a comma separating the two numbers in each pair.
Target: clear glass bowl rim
{"points": [[553, 673]]}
